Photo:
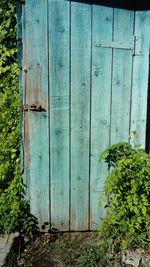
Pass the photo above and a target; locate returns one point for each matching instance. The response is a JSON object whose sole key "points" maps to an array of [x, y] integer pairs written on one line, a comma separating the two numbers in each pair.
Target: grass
{"points": [[68, 249]]}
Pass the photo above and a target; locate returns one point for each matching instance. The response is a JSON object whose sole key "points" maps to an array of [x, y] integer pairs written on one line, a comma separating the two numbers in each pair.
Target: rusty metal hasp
{"points": [[32, 107]]}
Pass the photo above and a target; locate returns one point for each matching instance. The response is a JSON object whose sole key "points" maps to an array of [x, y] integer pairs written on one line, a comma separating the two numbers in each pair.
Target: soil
{"points": [[57, 249], [72, 250]]}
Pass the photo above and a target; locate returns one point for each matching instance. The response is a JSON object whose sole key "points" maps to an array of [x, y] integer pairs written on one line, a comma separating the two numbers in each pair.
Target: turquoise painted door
{"points": [[85, 76]]}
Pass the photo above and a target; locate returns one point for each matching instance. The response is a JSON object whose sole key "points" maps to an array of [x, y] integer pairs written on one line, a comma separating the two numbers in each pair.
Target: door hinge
{"points": [[32, 107], [134, 45], [116, 45]]}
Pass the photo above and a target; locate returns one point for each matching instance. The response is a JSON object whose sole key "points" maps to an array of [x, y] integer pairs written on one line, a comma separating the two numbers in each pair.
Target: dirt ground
{"points": [[84, 249], [57, 249]]}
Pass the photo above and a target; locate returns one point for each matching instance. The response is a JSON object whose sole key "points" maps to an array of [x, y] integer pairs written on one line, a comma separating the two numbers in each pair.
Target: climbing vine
{"points": [[14, 210]]}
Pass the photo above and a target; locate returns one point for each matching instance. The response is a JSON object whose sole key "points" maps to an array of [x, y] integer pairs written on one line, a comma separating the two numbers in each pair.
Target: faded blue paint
{"points": [[80, 64], [20, 58], [140, 78], [80, 114], [121, 76], [59, 47], [36, 144], [100, 105]]}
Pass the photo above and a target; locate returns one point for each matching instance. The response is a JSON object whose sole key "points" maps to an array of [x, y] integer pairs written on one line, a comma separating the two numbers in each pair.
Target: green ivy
{"points": [[14, 210], [127, 191]]}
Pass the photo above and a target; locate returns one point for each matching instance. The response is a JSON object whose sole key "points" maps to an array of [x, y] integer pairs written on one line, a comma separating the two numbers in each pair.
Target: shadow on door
{"points": [[147, 148]]}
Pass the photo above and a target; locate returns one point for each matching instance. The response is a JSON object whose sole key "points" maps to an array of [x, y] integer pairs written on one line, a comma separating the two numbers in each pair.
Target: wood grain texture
{"points": [[100, 110], [121, 76], [140, 79], [20, 11], [80, 114], [37, 133], [59, 51], [93, 96], [25, 136]]}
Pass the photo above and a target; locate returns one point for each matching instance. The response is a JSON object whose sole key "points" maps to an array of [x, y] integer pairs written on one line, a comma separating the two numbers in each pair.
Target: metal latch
{"points": [[32, 107]]}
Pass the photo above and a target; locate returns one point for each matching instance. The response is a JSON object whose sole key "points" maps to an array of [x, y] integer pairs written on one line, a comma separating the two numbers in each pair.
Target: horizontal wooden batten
{"points": [[116, 45]]}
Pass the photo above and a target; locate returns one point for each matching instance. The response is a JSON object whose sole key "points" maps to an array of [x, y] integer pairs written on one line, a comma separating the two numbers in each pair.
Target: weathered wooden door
{"points": [[85, 75]]}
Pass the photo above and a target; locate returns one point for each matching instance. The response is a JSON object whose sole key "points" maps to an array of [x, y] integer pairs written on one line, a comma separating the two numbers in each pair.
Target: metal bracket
{"points": [[116, 45], [133, 45], [32, 107]]}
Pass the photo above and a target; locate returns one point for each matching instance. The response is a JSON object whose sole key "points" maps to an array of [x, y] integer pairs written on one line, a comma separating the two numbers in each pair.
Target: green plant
{"points": [[95, 256], [9, 97], [14, 210], [127, 190], [11, 260]]}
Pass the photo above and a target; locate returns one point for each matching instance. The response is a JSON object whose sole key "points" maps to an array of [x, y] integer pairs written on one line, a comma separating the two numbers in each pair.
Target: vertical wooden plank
{"points": [[20, 17], [140, 78], [80, 113], [147, 143], [37, 150], [59, 30], [24, 117], [100, 113], [25, 121], [122, 74]]}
